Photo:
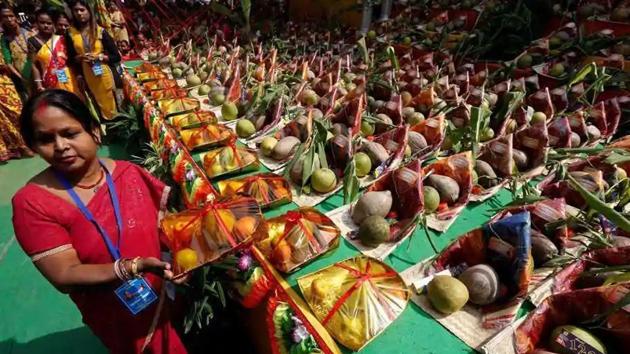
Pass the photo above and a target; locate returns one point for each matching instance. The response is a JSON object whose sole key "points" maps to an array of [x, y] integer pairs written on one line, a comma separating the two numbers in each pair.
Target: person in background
{"points": [[90, 227], [366, 20], [62, 23], [14, 45], [126, 52], [119, 25], [92, 52], [49, 56], [11, 143], [142, 46]]}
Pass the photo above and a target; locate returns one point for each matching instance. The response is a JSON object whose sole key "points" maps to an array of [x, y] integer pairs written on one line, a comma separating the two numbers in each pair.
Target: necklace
{"points": [[94, 186]]}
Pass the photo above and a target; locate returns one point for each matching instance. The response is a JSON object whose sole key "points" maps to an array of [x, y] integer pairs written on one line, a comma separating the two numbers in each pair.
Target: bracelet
{"points": [[117, 269], [123, 269], [38, 80], [134, 267]]}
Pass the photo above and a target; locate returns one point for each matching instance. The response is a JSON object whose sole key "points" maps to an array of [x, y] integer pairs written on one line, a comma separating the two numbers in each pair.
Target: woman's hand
{"points": [[159, 268]]}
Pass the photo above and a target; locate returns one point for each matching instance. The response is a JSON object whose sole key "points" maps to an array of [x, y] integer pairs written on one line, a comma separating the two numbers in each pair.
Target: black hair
{"points": [[4, 6], [57, 14], [62, 99], [44, 11]]}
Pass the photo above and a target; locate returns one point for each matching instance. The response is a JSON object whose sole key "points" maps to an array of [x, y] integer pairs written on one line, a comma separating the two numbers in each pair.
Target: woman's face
{"points": [[61, 140], [45, 24], [81, 13], [62, 25], [9, 20]]}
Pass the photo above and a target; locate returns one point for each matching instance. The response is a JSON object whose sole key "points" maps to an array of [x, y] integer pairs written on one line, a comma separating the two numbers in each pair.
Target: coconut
{"points": [[446, 187], [377, 152], [447, 294], [482, 282], [285, 147], [323, 180], [416, 141], [373, 231], [372, 203], [363, 164]]}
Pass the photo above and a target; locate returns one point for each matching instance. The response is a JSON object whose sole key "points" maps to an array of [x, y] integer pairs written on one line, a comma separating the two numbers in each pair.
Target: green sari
{"points": [[15, 52]]}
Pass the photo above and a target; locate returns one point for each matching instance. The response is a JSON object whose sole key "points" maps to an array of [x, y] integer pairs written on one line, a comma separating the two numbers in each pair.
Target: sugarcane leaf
{"points": [[582, 74], [600, 206], [351, 183], [391, 53], [617, 158], [363, 50]]}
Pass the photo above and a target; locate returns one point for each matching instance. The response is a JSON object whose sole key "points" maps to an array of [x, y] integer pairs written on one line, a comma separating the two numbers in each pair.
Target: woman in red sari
{"points": [[107, 266]]}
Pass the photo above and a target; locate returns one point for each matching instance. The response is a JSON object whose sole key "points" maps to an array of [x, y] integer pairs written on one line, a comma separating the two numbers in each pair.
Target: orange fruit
{"points": [[245, 227], [186, 259]]}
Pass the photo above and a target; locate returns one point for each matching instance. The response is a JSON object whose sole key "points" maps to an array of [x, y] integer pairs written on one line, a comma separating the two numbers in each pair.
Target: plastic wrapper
{"points": [[593, 173], [193, 119], [541, 102], [433, 130], [533, 141], [229, 159], [150, 76], [356, 299], [195, 188], [206, 136], [269, 189], [559, 133], [395, 142], [146, 67], [505, 246], [160, 84], [273, 117], [288, 333], [291, 240], [458, 167], [246, 277], [350, 115], [171, 107], [578, 308], [169, 93], [200, 236], [573, 277], [498, 154]]}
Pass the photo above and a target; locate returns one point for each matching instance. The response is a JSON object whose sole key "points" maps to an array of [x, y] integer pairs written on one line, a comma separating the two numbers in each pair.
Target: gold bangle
{"points": [[134, 267]]}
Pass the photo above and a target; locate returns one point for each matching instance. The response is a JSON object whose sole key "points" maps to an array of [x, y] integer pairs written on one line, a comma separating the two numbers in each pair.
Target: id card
{"points": [[62, 77], [136, 295], [97, 69]]}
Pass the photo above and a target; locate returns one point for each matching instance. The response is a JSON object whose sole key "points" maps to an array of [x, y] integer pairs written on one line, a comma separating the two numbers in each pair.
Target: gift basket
{"points": [[356, 299], [205, 136], [175, 106], [229, 159], [582, 321], [193, 120], [160, 84], [169, 93], [200, 236], [269, 190], [246, 277], [291, 240]]}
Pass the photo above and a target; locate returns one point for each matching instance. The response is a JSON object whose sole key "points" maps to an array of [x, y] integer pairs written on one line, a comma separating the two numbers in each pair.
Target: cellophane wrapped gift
{"points": [[246, 277], [268, 189], [433, 130], [146, 67], [356, 299], [229, 159], [169, 93], [598, 310], [297, 237], [200, 236], [289, 332], [159, 84], [193, 119], [151, 76], [206, 136], [174, 106]]}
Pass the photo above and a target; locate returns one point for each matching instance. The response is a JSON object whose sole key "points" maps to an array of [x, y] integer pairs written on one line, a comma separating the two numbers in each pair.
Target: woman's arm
{"points": [[110, 49], [65, 271], [36, 71]]}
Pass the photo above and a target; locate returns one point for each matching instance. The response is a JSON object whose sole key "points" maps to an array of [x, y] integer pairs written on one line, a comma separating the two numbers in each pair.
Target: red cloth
{"points": [[44, 221]]}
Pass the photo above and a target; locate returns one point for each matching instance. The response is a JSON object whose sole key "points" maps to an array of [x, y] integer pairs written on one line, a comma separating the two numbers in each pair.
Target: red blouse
{"points": [[44, 221]]}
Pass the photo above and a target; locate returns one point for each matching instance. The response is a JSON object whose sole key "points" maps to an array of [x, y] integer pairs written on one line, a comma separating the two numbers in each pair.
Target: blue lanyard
{"points": [[114, 251]]}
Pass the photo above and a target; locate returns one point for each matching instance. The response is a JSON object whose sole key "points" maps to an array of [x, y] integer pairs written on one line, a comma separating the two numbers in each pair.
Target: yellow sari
{"points": [[11, 142], [101, 86], [52, 57]]}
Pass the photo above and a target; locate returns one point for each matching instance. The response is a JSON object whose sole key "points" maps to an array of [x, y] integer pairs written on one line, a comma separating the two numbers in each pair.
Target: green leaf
{"points": [[391, 53], [363, 50], [351, 183], [582, 74]]}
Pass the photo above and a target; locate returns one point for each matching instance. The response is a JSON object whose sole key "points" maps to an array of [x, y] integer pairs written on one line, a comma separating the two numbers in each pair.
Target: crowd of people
{"points": [[61, 48]]}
